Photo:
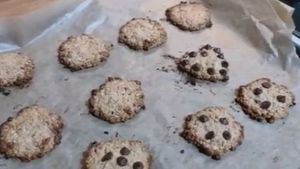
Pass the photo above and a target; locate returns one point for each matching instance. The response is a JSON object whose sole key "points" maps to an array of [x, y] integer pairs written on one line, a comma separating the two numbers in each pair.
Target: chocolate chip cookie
{"points": [[214, 131], [117, 154], [34, 132], [264, 100], [82, 52], [15, 70], [208, 63], [142, 34], [191, 16], [117, 100]]}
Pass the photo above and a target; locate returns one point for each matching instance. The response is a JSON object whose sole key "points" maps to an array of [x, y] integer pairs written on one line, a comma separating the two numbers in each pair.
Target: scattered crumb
{"points": [[106, 132], [212, 92], [5, 92], [66, 110], [181, 151], [275, 159], [66, 79], [117, 134]]}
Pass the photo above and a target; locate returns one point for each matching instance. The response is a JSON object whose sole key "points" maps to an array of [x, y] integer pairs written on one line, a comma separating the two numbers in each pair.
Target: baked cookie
{"points": [[117, 154], [117, 100], [264, 100], [34, 132], [142, 34], [214, 131], [15, 70], [83, 51], [191, 16], [206, 64]]}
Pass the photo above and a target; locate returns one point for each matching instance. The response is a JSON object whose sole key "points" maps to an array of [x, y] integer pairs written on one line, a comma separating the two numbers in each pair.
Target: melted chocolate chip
{"points": [[107, 156], [192, 54], [207, 47], [221, 56], [217, 50], [223, 72], [281, 98], [210, 135], [226, 135], [223, 121], [266, 85], [124, 151], [211, 71], [204, 53], [183, 63], [196, 67], [265, 105], [203, 118], [225, 64], [257, 91], [122, 161], [138, 165]]}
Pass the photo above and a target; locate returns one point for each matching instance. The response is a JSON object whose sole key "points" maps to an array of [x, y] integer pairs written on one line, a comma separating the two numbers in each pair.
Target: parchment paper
{"points": [[255, 38]]}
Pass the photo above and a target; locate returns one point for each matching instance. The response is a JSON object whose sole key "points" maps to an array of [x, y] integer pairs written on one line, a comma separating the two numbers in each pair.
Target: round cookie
{"points": [[117, 154], [191, 16], [206, 64], [214, 131], [83, 51], [117, 100], [34, 132], [264, 100], [142, 34], [15, 70]]}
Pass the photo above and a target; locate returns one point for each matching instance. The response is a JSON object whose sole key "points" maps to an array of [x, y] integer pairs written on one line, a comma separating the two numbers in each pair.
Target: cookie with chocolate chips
{"points": [[117, 154], [117, 100], [208, 64], [189, 16], [214, 131], [264, 100]]}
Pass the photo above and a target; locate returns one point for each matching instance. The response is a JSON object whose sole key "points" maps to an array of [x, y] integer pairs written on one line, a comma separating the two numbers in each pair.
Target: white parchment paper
{"points": [[255, 38]]}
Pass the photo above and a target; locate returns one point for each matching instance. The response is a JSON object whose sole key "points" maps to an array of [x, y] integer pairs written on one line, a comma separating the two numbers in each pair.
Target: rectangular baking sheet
{"points": [[255, 36]]}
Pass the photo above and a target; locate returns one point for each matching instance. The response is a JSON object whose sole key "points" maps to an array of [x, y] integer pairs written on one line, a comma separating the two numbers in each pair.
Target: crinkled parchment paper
{"points": [[254, 36]]}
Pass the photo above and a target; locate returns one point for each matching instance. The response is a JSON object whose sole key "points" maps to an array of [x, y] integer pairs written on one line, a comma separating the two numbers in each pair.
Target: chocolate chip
{"points": [[265, 105], [224, 121], [107, 156], [217, 50], [266, 85], [225, 64], [203, 118], [138, 165], [192, 54], [210, 135], [183, 62], [211, 71], [204, 53], [226, 135], [216, 157], [181, 151], [257, 91], [122, 161], [207, 47], [221, 56], [223, 72], [209, 24], [281, 98], [106, 132], [124, 151], [196, 67]]}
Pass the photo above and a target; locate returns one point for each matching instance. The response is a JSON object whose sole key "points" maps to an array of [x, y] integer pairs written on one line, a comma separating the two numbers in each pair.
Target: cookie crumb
{"points": [[106, 132], [181, 151]]}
